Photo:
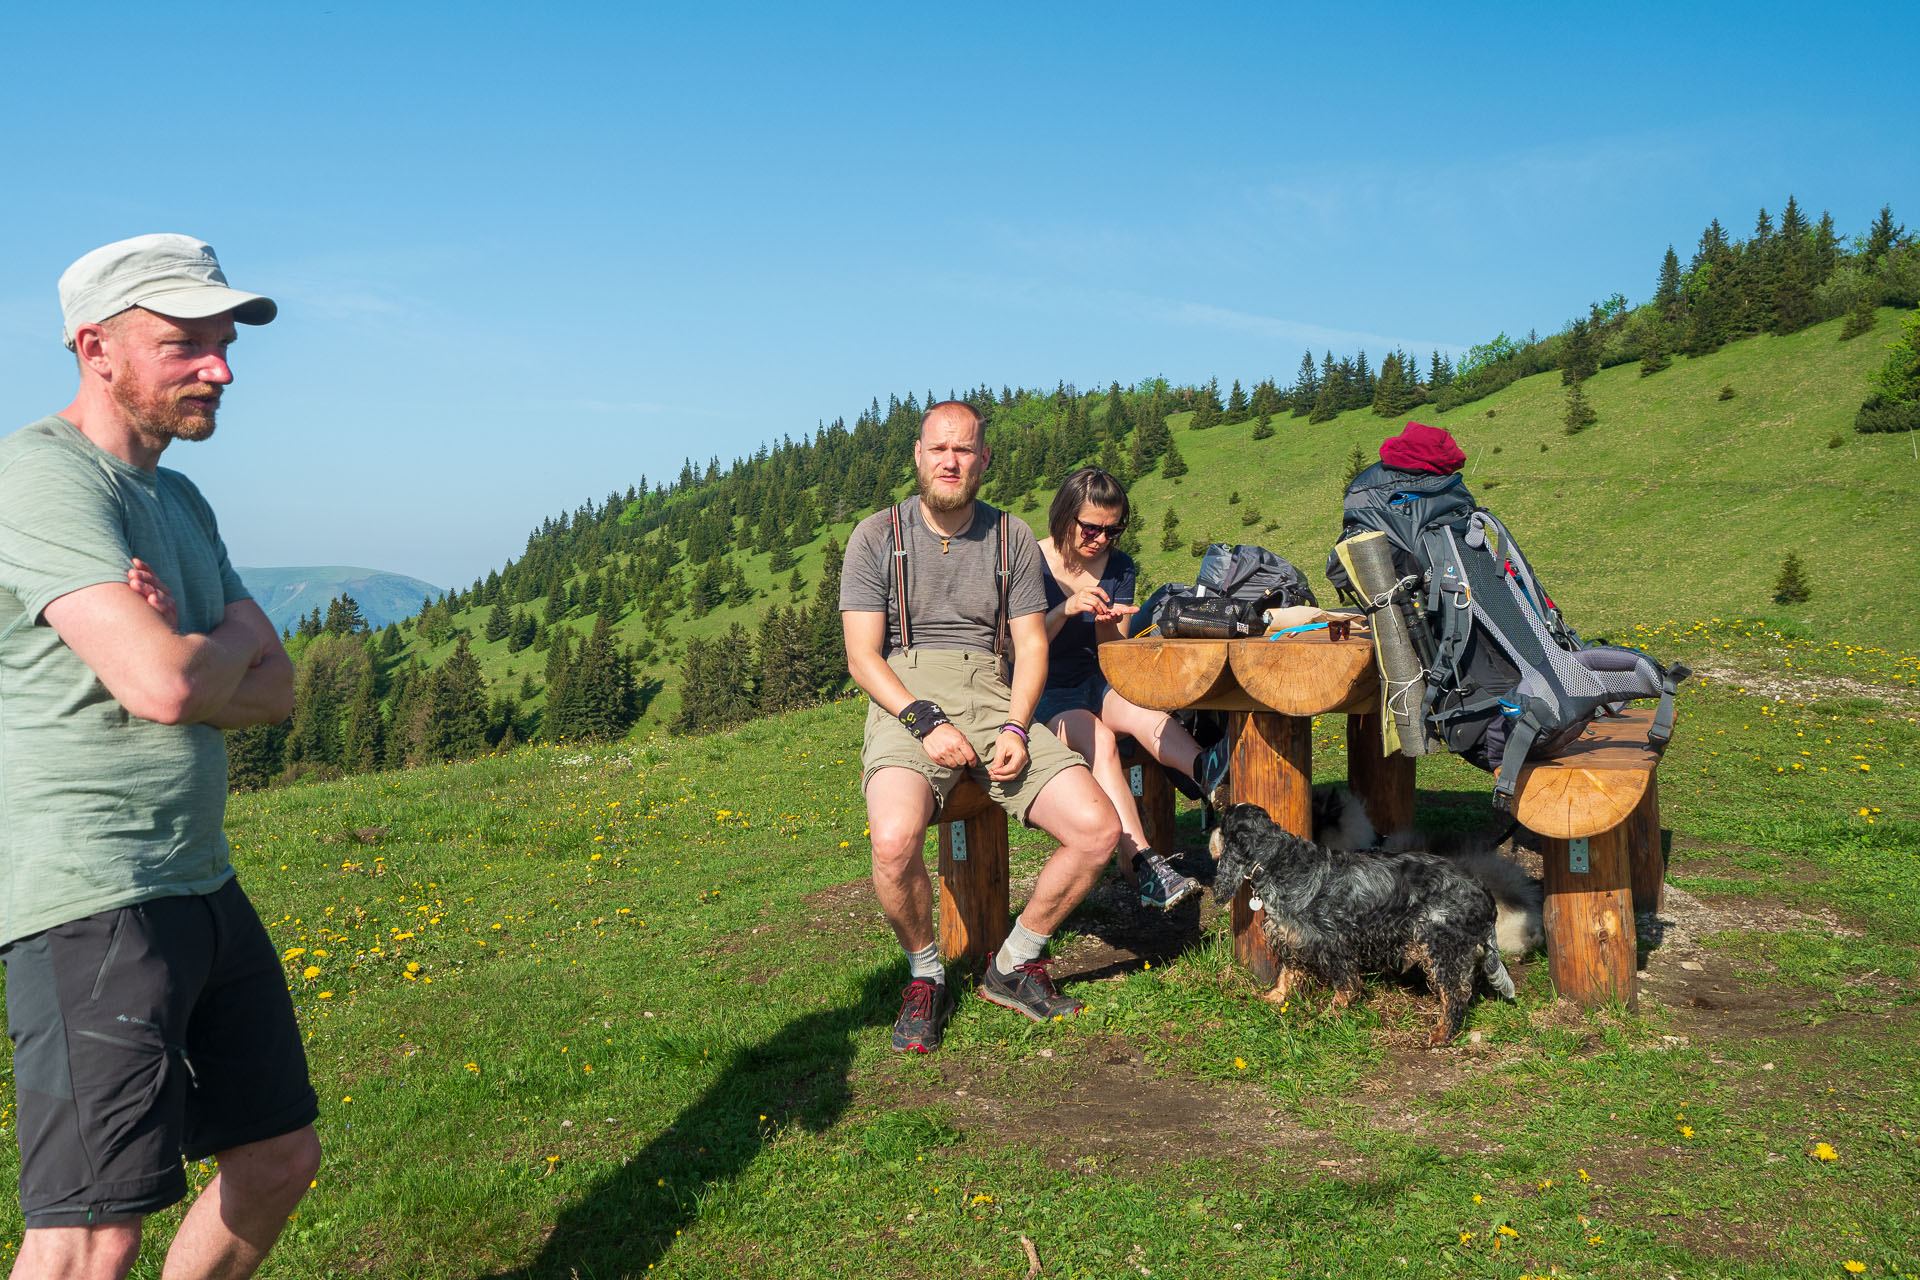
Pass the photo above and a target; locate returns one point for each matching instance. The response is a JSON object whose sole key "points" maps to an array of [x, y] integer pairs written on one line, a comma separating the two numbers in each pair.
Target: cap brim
{"points": [[205, 300]]}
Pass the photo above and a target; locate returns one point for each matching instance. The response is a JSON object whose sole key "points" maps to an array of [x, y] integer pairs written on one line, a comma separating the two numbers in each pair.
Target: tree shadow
{"points": [[645, 691], [796, 1077]]}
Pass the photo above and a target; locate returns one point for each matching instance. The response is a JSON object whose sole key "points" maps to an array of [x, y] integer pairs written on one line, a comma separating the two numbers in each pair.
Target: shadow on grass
{"points": [[796, 1077]]}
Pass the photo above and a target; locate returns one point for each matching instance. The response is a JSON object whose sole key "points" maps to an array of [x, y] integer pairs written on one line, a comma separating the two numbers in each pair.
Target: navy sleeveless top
{"points": [[1070, 657]]}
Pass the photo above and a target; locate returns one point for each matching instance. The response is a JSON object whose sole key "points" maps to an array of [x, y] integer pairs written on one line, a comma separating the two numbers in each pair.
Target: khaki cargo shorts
{"points": [[968, 687]]}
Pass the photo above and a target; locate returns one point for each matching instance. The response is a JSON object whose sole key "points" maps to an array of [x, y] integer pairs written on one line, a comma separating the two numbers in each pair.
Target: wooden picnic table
{"points": [[1271, 690]]}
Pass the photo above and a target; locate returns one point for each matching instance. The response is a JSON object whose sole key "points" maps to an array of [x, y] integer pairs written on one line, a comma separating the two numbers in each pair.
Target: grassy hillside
{"points": [[1676, 505], [623, 1012]]}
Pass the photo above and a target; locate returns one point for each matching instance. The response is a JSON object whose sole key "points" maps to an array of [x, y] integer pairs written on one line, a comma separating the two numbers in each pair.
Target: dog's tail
{"points": [[1516, 899], [1493, 969]]}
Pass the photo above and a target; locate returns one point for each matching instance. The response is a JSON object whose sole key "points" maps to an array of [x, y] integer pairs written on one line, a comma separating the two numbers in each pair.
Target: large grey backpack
{"points": [[1507, 680]]}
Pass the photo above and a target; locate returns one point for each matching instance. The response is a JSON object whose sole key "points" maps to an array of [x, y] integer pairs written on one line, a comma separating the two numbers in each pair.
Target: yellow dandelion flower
{"points": [[311, 972], [326, 995], [1853, 1266], [474, 1067], [1596, 1240], [1686, 1131], [1239, 1064], [1584, 1177], [1476, 1197], [1822, 1151], [1465, 1236], [413, 966]]}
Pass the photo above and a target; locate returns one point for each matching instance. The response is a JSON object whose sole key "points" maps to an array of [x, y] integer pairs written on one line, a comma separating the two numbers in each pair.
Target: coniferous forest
{"points": [[607, 597]]}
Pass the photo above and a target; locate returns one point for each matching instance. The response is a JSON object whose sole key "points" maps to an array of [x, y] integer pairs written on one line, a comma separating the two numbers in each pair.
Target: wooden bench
{"points": [[1596, 809], [975, 893]]}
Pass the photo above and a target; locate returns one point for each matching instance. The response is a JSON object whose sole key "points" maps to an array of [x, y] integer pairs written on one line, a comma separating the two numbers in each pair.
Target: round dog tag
{"points": [[1255, 903]]}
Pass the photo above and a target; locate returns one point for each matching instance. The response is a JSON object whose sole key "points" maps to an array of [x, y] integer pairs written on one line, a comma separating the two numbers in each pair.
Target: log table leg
{"points": [[1591, 946], [1644, 851], [1383, 783], [974, 907], [1272, 766]]}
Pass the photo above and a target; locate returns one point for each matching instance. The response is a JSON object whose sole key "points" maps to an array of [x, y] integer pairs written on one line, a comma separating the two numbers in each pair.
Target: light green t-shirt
{"points": [[99, 809]]}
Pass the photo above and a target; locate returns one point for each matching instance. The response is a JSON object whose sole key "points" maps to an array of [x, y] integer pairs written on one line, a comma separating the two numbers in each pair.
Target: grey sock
{"points": [[1022, 946], [926, 963]]}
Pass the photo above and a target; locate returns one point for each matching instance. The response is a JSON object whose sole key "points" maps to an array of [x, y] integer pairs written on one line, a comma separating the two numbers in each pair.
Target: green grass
{"points": [[646, 1035]]}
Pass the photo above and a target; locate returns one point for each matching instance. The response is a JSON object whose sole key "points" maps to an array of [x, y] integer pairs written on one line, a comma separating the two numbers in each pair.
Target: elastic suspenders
{"points": [[899, 559]]}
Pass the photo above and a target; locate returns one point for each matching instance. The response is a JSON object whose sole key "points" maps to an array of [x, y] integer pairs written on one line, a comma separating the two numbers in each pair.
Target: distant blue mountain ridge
{"points": [[289, 595]]}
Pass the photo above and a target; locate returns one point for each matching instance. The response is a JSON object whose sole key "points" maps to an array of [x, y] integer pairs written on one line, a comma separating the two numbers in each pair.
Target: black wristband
{"points": [[922, 717]]}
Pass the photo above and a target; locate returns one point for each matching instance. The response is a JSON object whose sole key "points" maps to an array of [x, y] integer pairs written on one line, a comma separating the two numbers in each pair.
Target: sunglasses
{"points": [[1107, 531]]}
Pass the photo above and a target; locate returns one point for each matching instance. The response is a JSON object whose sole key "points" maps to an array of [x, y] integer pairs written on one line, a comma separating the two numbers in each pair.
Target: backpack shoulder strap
{"points": [[898, 557]]}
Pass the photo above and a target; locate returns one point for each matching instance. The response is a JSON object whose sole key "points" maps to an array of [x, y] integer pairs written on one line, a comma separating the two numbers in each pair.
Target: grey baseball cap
{"points": [[170, 275]]}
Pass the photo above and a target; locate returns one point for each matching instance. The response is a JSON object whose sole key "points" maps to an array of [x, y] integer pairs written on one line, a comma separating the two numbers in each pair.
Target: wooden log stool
{"points": [[1596, 809], [975, 912], [1152, 795]]}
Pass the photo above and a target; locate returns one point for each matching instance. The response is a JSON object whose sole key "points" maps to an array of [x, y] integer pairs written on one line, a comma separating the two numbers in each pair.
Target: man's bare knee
{"points": [[272, 1172], [897, 841], [104, 1252], [1075, 811]]}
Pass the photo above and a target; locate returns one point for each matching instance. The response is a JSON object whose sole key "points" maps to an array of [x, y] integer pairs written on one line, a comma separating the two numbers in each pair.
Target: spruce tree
{"points": [[1172, 465], [1653, 353], [456, 724], [1356, 463], [1792, 587], [1236, 404], [1306, 386], [499, 622], [1666, 294], [1580, 414], [1263, 427], [1859, 320], [255, 756], [366, 745], [1579, 353]]}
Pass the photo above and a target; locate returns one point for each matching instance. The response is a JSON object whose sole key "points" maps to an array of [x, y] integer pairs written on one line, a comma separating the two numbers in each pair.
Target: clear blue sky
{"points": [[526, 254]]}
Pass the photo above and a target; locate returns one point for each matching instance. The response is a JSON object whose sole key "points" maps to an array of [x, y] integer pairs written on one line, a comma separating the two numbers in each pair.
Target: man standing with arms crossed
{"points": [[942, 708], [147, 1006]]}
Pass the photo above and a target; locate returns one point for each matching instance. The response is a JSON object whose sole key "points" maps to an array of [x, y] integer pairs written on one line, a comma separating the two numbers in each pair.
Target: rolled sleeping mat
{"points": [[1368, 560]]}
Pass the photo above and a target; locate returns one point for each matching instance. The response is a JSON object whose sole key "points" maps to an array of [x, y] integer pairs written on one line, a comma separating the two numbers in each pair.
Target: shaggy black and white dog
{"points": [[1340, 823], [1334, 916]]}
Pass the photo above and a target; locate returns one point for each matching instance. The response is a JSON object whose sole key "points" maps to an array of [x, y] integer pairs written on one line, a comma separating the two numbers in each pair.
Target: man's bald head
{"points": [[954, 413]]}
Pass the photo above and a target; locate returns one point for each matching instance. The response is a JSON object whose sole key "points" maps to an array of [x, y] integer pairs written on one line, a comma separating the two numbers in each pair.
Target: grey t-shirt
{"points": [[952, 596], [99, 809]]}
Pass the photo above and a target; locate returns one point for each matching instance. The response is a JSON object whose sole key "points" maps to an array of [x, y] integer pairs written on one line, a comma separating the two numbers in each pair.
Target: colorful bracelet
{"points": [[1016, 728]]}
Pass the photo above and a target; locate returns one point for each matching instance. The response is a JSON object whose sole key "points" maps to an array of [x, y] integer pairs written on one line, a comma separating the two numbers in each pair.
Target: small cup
{"points": [[1338, 628]]}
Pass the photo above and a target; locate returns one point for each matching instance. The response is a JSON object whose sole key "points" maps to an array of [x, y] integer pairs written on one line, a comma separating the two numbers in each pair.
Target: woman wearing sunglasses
{"points": [[1089, 586]]}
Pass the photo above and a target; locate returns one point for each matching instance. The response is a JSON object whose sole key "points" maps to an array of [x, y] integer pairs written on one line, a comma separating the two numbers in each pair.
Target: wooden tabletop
{"points": [[1298, 675]]}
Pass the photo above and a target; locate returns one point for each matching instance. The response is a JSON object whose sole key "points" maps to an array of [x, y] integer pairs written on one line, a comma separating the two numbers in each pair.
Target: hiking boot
{"points": [[1160, 885], [1027, 990], [924, 1010], [1210, 771]]}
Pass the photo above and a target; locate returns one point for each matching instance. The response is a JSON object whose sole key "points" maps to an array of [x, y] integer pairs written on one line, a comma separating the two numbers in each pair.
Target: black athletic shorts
{"points": [[141, 1035]]}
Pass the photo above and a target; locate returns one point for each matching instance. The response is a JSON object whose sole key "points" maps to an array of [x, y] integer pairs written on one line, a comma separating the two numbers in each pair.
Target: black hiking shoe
{"points": [[924, 1010], [1028, 990]]}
